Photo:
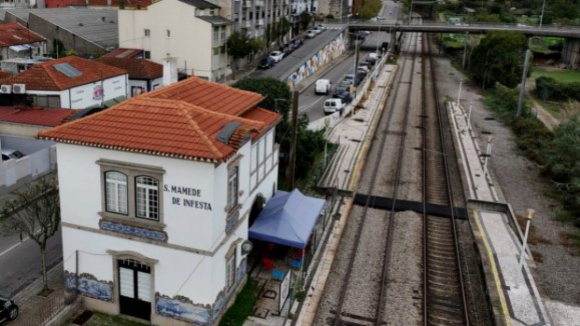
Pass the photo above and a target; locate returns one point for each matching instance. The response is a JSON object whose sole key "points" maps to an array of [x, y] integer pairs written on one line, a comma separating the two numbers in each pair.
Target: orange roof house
{"points": [[17, 41], [183, 120], [47, 77], [137, 68]]}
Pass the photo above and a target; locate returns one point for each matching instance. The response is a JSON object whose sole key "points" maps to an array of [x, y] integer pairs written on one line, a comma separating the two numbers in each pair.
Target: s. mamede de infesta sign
{"points": [[187, 202]]}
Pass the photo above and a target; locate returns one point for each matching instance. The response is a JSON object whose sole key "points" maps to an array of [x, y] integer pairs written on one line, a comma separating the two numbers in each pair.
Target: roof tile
{"points": [[15, 34], [212, 96], [36, 116], [169, 125], [137, 68], [44, 76]]}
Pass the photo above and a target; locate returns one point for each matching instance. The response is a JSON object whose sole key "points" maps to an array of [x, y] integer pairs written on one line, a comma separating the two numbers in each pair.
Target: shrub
{"points": [[549, 88]]}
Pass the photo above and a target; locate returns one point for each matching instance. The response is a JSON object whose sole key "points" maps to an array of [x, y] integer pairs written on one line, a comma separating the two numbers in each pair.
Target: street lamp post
{"points": [[487, 154], [542, 15], [410, 11], [459, 93], [523, 250]]}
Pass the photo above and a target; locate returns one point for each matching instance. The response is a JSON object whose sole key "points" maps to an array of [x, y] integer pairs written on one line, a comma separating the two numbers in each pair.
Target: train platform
{"points": [[515, 297]]}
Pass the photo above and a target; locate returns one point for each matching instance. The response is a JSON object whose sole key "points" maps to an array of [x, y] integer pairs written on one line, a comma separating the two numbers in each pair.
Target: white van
{"points": [[333, 105], [322, 86]]}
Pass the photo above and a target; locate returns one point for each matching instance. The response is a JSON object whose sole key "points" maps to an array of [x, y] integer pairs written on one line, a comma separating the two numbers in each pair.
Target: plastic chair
{"points": [[268, 263], [278, 274]]}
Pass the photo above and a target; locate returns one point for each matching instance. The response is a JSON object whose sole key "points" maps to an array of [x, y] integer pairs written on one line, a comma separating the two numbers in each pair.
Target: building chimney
{"points": [[169, 71]]}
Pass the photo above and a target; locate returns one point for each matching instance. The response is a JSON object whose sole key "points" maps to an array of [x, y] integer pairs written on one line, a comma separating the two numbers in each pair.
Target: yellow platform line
{"points": [[494, 270]]}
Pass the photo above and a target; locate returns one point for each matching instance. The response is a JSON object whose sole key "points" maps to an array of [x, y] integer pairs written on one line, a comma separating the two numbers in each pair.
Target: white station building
{"points": [[155, 196]]}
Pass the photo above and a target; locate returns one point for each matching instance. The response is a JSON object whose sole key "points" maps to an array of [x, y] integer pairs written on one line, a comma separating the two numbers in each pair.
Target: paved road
{"points": [[285, 67], [20, 263]]}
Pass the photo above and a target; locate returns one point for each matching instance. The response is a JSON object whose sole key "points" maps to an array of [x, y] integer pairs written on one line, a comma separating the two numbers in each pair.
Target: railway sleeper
{"points": [[444, 320]]}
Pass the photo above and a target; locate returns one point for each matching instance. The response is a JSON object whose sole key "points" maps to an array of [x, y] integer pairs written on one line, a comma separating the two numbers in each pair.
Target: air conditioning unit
{"points": [[19, 88], [5, 89]]}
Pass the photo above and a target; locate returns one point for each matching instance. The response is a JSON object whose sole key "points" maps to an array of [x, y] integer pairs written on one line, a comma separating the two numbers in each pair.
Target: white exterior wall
{"points": [[182, 222], [136, 83], [190, 41], [192, 263], [82, 97]]}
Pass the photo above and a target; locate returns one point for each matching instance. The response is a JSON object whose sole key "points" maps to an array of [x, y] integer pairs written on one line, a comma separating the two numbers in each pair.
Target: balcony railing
{"points": [[260, 22], [259, 3]]}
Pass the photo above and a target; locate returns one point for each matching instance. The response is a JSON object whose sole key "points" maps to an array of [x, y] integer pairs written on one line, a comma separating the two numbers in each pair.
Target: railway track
{"points": [[444, 300], [347, 313], [363, 298]]}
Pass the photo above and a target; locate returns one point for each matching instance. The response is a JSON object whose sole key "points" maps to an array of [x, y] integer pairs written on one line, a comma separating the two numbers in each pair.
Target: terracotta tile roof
{"points": [[164, 127], [15, 34], [212, 96], [268, 117], [137, 68], [36, 116], [4, 75], [123, 53], [45, 77]]}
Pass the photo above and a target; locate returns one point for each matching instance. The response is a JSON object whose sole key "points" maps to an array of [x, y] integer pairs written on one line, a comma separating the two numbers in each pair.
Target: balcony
{"points": [[247, 4], [246, 24], [259, 3], [260, 22]]}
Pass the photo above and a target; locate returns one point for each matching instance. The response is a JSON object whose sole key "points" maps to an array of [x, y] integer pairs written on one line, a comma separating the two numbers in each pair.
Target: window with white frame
{"points": [[116, 192], [223, 34], [231, 271], [233, 187], [132, 192], [216, 35], [147, 195]]}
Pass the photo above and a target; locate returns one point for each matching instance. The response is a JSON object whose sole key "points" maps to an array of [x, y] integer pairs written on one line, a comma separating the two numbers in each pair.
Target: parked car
{"points": [[363, 67], [321, 27], [266, 63], [277, 56], [317, 30], [310, 34], [370, 62], [360, 74], [333, 105], [341, 89], [8, 309], [298, 43], [322, 86], [345, 96], [11, 154]]}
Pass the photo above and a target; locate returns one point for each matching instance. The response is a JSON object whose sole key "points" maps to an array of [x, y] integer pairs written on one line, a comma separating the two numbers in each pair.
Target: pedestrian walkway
{"points": [[498, 235]]}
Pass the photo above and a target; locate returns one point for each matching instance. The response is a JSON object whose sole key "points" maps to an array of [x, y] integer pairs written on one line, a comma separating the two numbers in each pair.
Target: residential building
{"points": [[125, 53], [192, 31], [144, 75], [69, 82], [87, 31], [254, 17], [17, 41], [28, 121], [135, 4], [155, 229]]}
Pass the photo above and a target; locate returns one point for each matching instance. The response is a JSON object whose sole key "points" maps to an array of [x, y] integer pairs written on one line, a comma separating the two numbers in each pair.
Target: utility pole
{"points": [[464, 50], [523, 87], [542, 15], [294, 126], [355, 60]]}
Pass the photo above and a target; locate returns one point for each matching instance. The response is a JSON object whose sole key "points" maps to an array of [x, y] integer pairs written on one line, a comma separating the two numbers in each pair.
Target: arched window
{"points": [[116, 192], [147, 195]]}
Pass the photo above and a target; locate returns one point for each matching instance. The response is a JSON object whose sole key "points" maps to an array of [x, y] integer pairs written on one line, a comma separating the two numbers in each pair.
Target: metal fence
{"points": [[47, 309]]}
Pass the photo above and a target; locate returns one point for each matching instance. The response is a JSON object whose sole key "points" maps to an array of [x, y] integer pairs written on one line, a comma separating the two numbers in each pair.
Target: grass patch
{"points": [[560, 75], [564, 216], [242, 308], [99, 319]]}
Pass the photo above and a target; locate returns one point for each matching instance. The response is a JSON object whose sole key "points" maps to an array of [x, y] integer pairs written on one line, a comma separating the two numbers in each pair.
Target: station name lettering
{"points": [[187, 191]]}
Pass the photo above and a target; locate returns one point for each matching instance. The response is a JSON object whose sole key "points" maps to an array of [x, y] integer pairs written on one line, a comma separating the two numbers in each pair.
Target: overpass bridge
{"points": [[570, 51], [471, 28]]}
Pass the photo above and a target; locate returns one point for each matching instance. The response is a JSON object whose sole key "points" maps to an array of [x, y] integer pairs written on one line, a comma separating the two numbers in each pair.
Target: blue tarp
{"points": [[288, 219]]}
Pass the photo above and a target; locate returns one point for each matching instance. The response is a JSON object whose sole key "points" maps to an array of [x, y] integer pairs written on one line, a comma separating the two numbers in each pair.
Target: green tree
{"points": [[499, 58], [278, 99], [34, 212], [305, 20], [564, 9], [239, 46], [283, 28]]}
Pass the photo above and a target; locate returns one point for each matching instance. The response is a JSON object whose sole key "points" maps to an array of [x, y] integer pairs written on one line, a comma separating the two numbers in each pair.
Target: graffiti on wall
{"points": [[90, 286], [324, 56]]}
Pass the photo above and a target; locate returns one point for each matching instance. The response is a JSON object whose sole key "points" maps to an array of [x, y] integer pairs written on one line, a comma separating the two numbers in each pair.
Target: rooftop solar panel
{"points": [[67, 69]]}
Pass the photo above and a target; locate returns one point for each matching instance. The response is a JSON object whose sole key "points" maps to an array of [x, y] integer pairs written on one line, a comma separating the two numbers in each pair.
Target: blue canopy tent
{"points": [[288, 219]]}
